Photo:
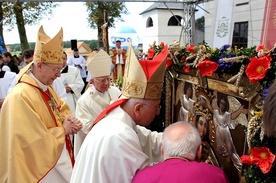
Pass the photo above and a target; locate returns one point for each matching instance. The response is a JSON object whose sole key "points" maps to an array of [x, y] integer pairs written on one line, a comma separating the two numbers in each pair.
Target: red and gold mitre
{"points": [[144, 78]]}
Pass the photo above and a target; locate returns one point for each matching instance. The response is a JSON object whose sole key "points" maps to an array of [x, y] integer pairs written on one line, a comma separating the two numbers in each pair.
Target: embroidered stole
{"points": [[54, 111], [47, 96], [98, 99]]}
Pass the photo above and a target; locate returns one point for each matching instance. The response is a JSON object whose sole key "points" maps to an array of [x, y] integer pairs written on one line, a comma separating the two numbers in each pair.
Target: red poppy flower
{"points": [[192, 49], [257, 68], [207, 67], [182, 59], [262, 157], [162, 44], [168, 61], [186, 69], [260, 47]]}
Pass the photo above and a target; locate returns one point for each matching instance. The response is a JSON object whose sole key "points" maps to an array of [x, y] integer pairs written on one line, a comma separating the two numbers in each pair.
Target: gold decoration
{"points": [[235, 59], [140, 80], [48, 50], [237, 77]]}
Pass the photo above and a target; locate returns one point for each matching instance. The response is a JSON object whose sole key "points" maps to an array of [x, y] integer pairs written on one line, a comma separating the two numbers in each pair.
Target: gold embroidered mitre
{"points": [[144, 78], [48, 50], [99, 64]]}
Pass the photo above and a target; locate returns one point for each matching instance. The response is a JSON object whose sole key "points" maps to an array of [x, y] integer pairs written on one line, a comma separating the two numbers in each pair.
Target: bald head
{"points": [[142, 111], [181, 139]]}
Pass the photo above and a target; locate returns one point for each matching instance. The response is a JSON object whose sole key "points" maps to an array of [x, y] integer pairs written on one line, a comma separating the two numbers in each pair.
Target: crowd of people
{"points": [[70, 129]]}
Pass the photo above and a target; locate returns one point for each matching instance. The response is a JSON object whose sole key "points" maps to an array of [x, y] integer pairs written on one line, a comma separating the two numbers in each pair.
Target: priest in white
{"points": [[118, 145], [6, 78], [98, 95], [72, 82]]}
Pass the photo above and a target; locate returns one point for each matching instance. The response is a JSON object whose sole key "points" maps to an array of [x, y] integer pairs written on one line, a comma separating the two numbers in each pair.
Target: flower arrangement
{"points": [[258, 65]]}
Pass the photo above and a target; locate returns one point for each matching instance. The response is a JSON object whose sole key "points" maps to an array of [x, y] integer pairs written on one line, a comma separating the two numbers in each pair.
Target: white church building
{"points": [[162, 23], [243, 23]]}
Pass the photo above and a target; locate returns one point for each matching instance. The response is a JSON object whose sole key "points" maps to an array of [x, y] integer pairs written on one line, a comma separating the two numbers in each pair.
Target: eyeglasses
{"points": [[56, 70], [103, 80], [157, 108]]}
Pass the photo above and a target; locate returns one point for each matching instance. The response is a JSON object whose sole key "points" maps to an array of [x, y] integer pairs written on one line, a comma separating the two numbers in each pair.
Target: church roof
{"points": [[164, 6]]}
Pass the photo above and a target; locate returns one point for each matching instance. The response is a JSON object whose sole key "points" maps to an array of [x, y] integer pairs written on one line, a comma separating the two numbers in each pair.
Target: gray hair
{"points": [[134, 101], [181, 139]]}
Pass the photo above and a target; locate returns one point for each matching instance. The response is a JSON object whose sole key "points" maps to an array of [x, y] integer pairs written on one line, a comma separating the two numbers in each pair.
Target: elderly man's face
{"points": [[149, 110], [48, 72], [101, 83]]}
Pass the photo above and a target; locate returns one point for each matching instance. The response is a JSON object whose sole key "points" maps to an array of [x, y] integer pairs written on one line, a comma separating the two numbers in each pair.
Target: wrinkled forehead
{"points": [[55, 65], [154, 102]]}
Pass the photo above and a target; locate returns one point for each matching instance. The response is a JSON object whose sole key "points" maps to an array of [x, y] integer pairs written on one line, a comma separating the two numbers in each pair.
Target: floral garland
{"points": [[258, 64]]}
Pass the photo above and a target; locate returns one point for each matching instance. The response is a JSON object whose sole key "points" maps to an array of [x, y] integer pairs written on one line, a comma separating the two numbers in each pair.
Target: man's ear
{"points": [[199, 153], [162, 150], [137, 109], [91, 81], [39, 65]]}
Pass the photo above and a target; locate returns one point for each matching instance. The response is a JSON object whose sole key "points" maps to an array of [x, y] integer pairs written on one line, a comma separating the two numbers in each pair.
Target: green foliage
{"points": [[96, 12], [33, 12], [93, 44], [96, 15], [199, 23], [120, 81]]}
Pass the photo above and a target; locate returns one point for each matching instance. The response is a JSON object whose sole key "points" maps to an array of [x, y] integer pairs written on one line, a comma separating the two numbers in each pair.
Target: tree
{"points": [[25, 13], [96, 15], [200, 23]]}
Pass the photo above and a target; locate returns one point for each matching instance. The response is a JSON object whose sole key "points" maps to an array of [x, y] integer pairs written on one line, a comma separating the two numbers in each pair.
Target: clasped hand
{"points": [[72, 125]]}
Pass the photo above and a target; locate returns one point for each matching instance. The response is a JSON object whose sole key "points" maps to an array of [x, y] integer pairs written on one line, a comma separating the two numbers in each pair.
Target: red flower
{"points": [[168, 61], [257, 68], [260, 47], [186, 69], [182, 58], [151, 53], [207, 67], [192, 49], [161, 44], [262, 157]]}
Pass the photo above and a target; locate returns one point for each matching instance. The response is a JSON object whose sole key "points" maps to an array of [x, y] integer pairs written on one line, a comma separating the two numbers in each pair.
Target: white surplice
{"points": [[6, 82], [115, 149], [73, 79], [89, 106]]}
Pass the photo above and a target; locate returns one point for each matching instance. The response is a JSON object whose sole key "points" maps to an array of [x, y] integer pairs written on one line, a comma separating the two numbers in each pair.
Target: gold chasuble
{"points": [[44, 137], [31, 131]]}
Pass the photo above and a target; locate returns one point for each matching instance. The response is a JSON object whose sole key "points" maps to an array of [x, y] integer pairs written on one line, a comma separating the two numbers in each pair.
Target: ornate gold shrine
{"points": [[209, 89]]}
